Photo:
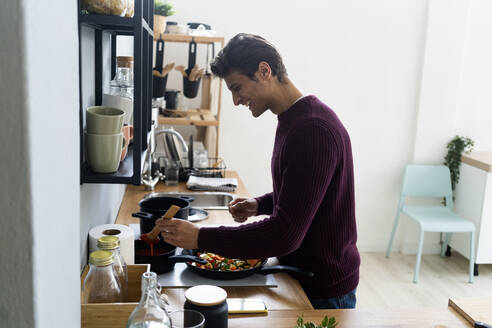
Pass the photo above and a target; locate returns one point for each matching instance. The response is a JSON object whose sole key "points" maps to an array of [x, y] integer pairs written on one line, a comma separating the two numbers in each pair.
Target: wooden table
{"points": [[394, 318], [287, 296]]}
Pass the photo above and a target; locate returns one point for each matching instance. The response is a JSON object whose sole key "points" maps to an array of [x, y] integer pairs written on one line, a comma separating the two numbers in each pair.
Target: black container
{"points": [[190, 88], [216, 315], [166, 258], [159, 83], [159, 86], [153, 208], [171, 97]]}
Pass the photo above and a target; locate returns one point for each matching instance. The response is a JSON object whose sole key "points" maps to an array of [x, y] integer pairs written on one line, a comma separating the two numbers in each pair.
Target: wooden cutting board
{"points": [[473, 309]]}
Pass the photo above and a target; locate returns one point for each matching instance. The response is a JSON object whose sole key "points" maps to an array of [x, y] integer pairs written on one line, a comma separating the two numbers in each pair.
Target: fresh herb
{"points": [[456, 147], [325, 323], [163, 9]]}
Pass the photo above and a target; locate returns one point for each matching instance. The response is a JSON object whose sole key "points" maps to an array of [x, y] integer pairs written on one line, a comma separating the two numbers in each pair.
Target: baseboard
{"points": [[428, 249], [406, 249]]}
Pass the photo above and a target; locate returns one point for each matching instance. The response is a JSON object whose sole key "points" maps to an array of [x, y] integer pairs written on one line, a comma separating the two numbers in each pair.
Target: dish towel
{"points": [[211, 184]]}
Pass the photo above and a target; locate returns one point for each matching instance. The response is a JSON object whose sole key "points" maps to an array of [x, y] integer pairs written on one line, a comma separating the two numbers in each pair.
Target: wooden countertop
{"points": [[287, 296], [473, 309], [479, 159], [390, 318]]}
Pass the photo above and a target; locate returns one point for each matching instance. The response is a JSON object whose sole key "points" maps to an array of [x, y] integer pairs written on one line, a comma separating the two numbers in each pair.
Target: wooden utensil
{"points": [[193, 73], [167, 69], [200, 73], [180, 68], [152, 236]]}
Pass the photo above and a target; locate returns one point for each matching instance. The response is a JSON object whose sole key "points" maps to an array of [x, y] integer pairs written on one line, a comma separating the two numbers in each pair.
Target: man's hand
{"points": [[179, 233], [242, 208]]}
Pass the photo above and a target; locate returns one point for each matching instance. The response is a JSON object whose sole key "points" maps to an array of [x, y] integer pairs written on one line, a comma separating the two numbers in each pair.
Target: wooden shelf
{"points": [[187, 38], [198, 117]]}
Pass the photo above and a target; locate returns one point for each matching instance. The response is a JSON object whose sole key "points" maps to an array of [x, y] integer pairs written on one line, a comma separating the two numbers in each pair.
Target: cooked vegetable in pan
{"points": [[220, 263]]}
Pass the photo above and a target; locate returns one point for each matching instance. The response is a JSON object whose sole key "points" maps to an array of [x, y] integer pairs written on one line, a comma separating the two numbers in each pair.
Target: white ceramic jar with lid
{"points": [[211, 302]]}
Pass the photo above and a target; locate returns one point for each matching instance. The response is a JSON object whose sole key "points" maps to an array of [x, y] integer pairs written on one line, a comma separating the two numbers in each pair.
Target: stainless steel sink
{"points": [[203, 200]]}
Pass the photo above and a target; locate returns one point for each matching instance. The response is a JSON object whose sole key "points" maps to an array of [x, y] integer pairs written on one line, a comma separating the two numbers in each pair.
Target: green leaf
{"points": [[325, 323]]}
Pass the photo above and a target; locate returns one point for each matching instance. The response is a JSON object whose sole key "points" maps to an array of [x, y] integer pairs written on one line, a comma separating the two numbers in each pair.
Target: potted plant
{"points": [[161, 11], [456, 147]]}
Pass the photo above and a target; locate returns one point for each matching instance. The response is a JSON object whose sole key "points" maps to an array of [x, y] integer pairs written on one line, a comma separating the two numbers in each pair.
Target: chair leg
{"points": [[447, 236], [419, 257], [472, 256], [395, 225]]}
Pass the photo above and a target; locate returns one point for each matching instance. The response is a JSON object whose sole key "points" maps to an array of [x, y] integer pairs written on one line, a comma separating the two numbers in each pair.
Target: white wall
{"points": [[16, 283], [362, 58], [39, 168], [404, 77], [474, 110]]}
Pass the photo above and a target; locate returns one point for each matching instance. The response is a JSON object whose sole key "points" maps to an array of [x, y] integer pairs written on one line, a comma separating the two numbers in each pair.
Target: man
{"points": [[312, 208]]}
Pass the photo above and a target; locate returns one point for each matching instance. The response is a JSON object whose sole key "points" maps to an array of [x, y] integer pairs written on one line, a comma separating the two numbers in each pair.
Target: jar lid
{"points": [[124, 58], [108, 242], [205, 295], [101, 258]]}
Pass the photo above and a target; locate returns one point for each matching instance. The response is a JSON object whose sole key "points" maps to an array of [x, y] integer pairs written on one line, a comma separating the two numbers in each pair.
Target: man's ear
{"points": [[264, 70]]}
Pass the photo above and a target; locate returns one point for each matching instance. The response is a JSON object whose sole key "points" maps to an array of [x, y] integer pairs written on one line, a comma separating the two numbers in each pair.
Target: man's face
{"points": [[247, 92]]}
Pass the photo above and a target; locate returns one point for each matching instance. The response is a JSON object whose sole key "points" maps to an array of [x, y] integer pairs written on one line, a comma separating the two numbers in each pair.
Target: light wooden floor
{"points": [[387, 282]]}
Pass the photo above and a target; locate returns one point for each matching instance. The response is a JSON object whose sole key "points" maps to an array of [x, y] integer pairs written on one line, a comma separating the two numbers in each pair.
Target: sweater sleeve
{"points": [[309, 161], [265, 204]]}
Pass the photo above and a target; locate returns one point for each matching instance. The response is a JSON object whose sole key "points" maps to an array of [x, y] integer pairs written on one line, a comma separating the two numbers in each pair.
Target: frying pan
{"points": [[165, 260], [231, 275]]}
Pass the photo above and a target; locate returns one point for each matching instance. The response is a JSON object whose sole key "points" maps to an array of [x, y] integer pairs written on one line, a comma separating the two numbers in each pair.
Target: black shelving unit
{"points": [[138, 26]]}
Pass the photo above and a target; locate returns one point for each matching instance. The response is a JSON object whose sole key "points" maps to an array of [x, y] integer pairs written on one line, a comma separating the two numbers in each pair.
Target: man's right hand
{"points": [[242, 208]]}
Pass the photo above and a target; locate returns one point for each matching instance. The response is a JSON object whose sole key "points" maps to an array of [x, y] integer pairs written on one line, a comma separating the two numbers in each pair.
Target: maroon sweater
{"points": [[312, 208]]}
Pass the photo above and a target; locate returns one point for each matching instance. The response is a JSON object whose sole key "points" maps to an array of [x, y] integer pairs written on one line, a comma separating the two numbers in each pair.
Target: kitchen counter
{"points": [[287, 296], [286, 302], [479, 159]]}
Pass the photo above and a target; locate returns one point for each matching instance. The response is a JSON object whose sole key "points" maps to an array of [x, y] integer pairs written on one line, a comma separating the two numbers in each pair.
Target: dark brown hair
{"points": [[243, 53]]}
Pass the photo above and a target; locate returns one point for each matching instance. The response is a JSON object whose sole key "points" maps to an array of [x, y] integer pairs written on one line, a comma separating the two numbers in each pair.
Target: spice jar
{"points": [[112, 244], [211, 302], [101, 284]]}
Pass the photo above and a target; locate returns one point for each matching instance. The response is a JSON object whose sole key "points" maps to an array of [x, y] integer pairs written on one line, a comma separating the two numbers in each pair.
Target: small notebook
{"points": [[211, 184]]}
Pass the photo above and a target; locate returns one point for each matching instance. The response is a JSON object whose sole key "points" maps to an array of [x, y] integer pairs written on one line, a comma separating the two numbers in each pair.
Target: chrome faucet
{"points": [[147, 179], [175, 133]]}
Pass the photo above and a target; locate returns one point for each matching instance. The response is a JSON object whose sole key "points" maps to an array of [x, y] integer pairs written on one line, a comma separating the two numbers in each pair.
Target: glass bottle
{"points": [[101, 284], [149, 313], [112, 244]]}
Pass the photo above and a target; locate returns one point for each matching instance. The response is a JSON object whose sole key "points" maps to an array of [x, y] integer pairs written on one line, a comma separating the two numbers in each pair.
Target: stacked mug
{"points": [[104, 138]]}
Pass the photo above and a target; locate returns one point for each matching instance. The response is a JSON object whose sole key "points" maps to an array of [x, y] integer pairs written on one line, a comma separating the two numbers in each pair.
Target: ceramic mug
{"points": [[128, 135], [104, 151], [104, 120]]}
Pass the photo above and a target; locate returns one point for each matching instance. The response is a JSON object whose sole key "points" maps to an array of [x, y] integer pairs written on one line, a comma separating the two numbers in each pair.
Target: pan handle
{"points": [[285, 268], [186, 258], [143, 215], [187, 198]]}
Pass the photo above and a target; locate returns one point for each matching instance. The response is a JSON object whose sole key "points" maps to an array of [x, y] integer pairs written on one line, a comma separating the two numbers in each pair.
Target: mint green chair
{"points": [[431, 181]]}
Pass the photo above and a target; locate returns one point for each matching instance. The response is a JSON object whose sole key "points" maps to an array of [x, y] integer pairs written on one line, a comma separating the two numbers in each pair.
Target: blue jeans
{"points": [[346, 301]]}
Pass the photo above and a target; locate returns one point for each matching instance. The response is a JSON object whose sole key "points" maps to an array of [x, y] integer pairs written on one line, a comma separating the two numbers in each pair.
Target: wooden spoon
{"points": [[167, 69], [181, 69], [152, 236]]}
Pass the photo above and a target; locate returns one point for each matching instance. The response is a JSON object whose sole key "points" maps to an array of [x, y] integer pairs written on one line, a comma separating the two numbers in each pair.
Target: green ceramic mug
{"points": [[104, 120], [104, 151]]}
